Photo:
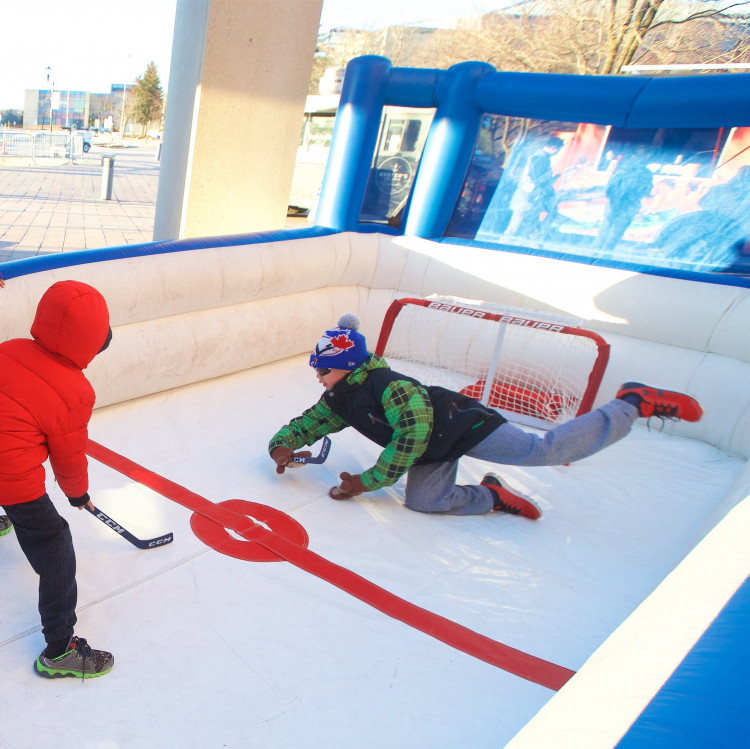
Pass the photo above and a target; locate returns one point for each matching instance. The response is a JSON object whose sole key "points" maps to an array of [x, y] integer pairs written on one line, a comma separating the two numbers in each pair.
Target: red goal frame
{"points": [[512, 396]]}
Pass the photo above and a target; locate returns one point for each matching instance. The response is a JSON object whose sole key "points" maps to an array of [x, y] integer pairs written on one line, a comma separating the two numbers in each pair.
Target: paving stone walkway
{"points": [[57, 206]]}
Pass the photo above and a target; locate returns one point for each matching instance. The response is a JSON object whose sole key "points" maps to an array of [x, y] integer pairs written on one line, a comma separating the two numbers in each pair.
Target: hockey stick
{"points": [[150, 543], [319, 458]]}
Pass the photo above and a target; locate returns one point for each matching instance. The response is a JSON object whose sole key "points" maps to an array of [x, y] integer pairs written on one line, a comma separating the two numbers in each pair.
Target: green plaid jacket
{"points": [[407, 410]]}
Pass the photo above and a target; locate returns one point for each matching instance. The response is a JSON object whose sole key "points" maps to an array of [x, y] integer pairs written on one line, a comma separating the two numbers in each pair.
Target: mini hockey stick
{"points": [[319, 458], [150, 543]]}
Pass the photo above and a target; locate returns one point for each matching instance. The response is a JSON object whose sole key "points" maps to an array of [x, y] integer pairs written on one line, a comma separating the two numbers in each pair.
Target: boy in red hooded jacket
{"points": [[45, 406]]}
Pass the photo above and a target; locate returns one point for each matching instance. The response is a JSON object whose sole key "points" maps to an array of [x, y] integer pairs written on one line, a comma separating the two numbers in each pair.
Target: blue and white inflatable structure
{"points": [[631, 590]]}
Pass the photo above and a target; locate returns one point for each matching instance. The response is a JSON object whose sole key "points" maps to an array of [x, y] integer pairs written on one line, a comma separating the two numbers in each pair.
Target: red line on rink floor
{"points": [[484, 648]]}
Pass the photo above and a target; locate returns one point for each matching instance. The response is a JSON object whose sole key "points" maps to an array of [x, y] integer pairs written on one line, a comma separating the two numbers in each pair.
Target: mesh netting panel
{"points": [[536, 368]]}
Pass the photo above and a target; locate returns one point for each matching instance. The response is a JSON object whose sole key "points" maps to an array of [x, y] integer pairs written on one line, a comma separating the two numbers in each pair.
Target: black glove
{"points": [[80, 501]]}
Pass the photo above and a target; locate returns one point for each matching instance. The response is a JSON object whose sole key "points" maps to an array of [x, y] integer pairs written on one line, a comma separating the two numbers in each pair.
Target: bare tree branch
{"points": [[566, 36]]}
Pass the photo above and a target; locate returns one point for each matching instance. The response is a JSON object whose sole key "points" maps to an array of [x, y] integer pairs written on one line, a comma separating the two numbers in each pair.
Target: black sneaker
{"points": [[5, 525], [510, 501], [80, 661], [666, 404]]}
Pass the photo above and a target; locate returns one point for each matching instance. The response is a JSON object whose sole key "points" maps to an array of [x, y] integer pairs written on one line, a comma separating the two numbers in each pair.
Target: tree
{"points": [[102, 106], [638, 27], [12, 117], [586, 37], [599, 37], [147, 99], [404, 46], [596, 37]]}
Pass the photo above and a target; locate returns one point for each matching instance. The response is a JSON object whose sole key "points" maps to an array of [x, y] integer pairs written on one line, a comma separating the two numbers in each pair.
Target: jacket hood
{"points": [[72, 321]]}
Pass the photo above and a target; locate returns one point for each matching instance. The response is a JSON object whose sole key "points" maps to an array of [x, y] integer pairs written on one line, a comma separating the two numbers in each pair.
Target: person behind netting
{"points": [[424, 431], [535, 191], [629, 184], [45, 406]]}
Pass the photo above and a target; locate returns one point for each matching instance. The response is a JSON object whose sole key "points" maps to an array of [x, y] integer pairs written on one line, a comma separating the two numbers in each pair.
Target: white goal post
{"points": [[541, 369]]}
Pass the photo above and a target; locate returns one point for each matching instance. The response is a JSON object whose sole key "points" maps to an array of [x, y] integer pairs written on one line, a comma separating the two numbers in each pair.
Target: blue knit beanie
{"points": [[341, 348]]}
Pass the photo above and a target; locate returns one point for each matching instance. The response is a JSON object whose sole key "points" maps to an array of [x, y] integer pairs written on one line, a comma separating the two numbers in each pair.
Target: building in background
{"points": [[80, 110]]}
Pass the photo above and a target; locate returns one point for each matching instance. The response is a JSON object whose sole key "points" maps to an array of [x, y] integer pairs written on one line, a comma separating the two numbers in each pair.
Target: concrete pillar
{"points": [[238, 80]]}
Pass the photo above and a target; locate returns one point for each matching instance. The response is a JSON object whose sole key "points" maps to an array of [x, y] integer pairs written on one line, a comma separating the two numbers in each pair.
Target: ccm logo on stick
{"points": [[160, 541], [111, 523]]}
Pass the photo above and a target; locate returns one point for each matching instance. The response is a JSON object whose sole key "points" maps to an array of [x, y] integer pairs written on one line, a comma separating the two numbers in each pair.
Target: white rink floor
{"points": [[213, 651]]}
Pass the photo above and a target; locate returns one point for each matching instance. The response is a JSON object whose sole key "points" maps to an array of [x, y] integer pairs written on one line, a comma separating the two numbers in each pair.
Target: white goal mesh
{"points": [[542, 369]]}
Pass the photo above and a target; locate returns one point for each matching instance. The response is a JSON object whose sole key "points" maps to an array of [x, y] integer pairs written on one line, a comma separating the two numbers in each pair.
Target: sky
{"points": [[377, 13], [90, 45]]}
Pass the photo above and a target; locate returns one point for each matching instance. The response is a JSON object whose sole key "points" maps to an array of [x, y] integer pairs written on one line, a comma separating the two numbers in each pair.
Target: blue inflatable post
{"points": [[447, 151], [355, 136]]}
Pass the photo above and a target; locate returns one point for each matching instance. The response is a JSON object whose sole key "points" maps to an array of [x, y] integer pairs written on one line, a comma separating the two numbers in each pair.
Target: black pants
{"points": [[44, 537]]}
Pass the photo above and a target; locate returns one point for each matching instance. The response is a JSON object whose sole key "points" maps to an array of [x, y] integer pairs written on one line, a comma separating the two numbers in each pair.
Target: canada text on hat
{"points": [[341, 348]]}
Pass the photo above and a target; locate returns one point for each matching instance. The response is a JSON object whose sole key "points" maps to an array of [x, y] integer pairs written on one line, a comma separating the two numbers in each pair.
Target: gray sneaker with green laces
{"points": [[80, 661], [5, 525]]}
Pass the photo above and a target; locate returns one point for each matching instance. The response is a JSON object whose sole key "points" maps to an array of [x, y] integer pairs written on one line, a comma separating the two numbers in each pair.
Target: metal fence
{"points": [[40, 145]]}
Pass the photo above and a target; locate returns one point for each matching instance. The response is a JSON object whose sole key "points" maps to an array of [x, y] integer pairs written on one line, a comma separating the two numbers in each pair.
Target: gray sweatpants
{"points": [[432, 487]]}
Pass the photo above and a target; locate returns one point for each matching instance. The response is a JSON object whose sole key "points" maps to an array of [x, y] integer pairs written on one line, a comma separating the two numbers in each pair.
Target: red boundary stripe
{"points": [[490, 651]]}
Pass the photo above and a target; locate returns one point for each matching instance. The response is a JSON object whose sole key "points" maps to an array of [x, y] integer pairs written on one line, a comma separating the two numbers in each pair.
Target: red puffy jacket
{"points": [[45, 399]]}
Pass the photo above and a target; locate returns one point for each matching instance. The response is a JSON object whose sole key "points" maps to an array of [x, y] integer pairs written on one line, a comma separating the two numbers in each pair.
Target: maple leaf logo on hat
{"points": [[341, 348], [342, 342]]}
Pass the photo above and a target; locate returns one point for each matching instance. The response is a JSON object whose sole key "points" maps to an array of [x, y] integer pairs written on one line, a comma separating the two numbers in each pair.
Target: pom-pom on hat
{"points": [[341, 348]]}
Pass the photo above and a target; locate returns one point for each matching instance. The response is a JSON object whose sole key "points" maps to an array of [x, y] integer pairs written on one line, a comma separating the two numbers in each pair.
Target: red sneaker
{"points": [[666, 404], [510, 501]]}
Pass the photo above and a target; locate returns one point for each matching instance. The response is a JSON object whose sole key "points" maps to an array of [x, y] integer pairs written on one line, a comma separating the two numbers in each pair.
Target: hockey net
{"points": [[541, 369]]}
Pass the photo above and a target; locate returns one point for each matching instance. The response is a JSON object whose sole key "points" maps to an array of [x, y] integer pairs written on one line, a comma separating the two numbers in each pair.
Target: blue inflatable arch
{"points": [[465, 93]]}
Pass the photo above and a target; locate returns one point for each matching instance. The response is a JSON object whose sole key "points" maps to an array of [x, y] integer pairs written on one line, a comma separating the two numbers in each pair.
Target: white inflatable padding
{"points": [[723, 387], [168, 352], [607, 299], [143, 288], [206, 313], [731, 336], [630, 667], [738, 492], [391, 260]]}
